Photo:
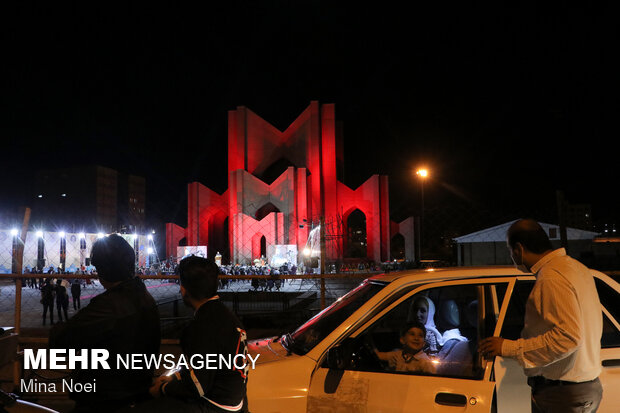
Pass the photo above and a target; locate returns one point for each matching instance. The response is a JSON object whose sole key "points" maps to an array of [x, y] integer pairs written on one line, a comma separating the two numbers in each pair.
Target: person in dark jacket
{"points": [[62, 300], [48, 292], [76, 291], [123, 320], [214, 330]]}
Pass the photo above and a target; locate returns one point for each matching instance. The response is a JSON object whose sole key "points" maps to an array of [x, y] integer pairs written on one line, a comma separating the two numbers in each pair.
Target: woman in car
{"points": [[423, 310]]}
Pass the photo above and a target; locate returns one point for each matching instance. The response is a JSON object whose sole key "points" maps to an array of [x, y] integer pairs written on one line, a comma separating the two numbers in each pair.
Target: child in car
{"points": [[410, 358]]}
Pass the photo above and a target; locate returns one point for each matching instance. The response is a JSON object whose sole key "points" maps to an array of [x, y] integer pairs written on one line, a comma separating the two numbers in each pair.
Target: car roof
{"points": [[451, 273]]}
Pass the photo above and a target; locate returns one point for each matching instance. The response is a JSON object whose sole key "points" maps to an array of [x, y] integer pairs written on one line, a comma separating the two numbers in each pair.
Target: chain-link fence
{"points": [[34, 302], [260, 291], [266, 305]]}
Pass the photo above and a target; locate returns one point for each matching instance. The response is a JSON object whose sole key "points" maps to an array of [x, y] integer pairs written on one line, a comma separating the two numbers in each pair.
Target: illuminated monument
{"points": [[280, 185]]}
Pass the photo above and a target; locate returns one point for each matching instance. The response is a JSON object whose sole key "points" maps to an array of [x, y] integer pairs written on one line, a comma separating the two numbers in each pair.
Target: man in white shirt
{"points": [[560, 344]]}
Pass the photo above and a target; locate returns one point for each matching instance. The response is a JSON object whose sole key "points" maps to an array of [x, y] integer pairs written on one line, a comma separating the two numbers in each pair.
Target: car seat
{"points": [[455, 357], [469, 327]]}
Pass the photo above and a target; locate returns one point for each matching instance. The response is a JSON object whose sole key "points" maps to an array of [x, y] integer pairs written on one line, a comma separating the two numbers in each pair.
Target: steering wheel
{"points": [[366, 355]]}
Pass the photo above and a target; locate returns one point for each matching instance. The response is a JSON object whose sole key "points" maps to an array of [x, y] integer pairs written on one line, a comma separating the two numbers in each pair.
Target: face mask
{"points": [[521, 267]]}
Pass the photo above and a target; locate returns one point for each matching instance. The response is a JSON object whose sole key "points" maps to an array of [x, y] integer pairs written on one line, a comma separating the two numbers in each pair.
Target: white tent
{"points": [[488, 246], [498, 233]]}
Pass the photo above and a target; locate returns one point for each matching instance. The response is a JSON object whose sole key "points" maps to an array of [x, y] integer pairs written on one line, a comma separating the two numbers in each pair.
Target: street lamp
{"points": [[422, 174]]}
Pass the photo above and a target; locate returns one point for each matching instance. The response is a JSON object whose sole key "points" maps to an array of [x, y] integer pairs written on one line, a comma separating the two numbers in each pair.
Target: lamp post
{"points": [[422, 174]]}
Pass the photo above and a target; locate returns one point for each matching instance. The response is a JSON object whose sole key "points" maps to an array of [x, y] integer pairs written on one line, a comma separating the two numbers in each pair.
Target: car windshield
{"points": [[318, 327]]}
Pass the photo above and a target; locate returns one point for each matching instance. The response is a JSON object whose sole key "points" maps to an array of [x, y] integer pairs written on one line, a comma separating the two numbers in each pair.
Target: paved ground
{"points": [[32, 309]]}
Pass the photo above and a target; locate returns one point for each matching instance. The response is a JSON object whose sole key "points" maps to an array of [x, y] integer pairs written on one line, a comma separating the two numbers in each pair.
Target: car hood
{"points": [[269, 349]]}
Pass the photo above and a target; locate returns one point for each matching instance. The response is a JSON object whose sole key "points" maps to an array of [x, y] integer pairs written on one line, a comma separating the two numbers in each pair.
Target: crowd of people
{"points": [[57, 292], [259, 267]]}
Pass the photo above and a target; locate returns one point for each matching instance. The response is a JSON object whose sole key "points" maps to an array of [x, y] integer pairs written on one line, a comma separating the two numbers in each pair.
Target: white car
{"points": [[328, 364]]}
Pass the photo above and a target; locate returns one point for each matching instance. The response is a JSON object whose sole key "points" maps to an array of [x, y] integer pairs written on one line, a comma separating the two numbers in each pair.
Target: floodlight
{"points": [[61, 234], [100, 235], [149, 250], [14, 232], [82, 235], [39, 234]]}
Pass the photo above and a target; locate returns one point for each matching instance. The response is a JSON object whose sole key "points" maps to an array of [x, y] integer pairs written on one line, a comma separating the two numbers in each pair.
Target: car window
{"points": [[318, 327], [611, 335], [513, 323], [610, 299], [434, 332]]}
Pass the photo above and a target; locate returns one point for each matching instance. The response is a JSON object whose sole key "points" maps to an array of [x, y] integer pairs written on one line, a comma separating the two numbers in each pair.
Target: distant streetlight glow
{"points": [[14, 232], [150, 237], [150, 250], [422, 172]]}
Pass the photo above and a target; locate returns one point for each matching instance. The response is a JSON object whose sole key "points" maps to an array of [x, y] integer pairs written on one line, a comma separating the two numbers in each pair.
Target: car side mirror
{"points": [[335, 358]]}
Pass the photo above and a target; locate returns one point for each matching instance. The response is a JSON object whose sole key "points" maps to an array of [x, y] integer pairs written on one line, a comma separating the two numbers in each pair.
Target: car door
{"points": [[609, 294], [512, 390], [350, 378]]}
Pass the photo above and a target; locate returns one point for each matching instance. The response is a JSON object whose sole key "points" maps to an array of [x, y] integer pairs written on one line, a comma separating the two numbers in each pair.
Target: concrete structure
{"points": [[281, 185], [488, 246]]}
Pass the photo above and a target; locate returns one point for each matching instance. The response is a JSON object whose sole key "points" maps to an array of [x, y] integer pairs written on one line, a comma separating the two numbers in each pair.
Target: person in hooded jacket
{"points": [[122, 320]]}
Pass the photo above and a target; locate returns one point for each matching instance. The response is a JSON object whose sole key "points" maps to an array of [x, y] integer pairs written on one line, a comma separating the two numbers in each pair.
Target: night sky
{"points": [[505, 105]]}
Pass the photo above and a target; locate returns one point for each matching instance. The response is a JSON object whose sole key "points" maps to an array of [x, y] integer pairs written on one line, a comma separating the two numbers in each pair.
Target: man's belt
{"points": [[536, 382]]}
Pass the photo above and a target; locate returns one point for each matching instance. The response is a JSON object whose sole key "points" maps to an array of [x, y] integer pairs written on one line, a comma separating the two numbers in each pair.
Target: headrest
{"points": [[449, 315], [471, 313]]}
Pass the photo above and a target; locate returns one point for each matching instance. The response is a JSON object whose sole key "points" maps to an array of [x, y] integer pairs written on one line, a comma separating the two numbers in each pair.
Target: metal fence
{"points": [[276, 300], [267, 306]]}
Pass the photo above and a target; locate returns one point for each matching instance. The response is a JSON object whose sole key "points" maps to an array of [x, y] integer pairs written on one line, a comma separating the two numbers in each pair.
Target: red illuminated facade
{"points": [[257, 214]]}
